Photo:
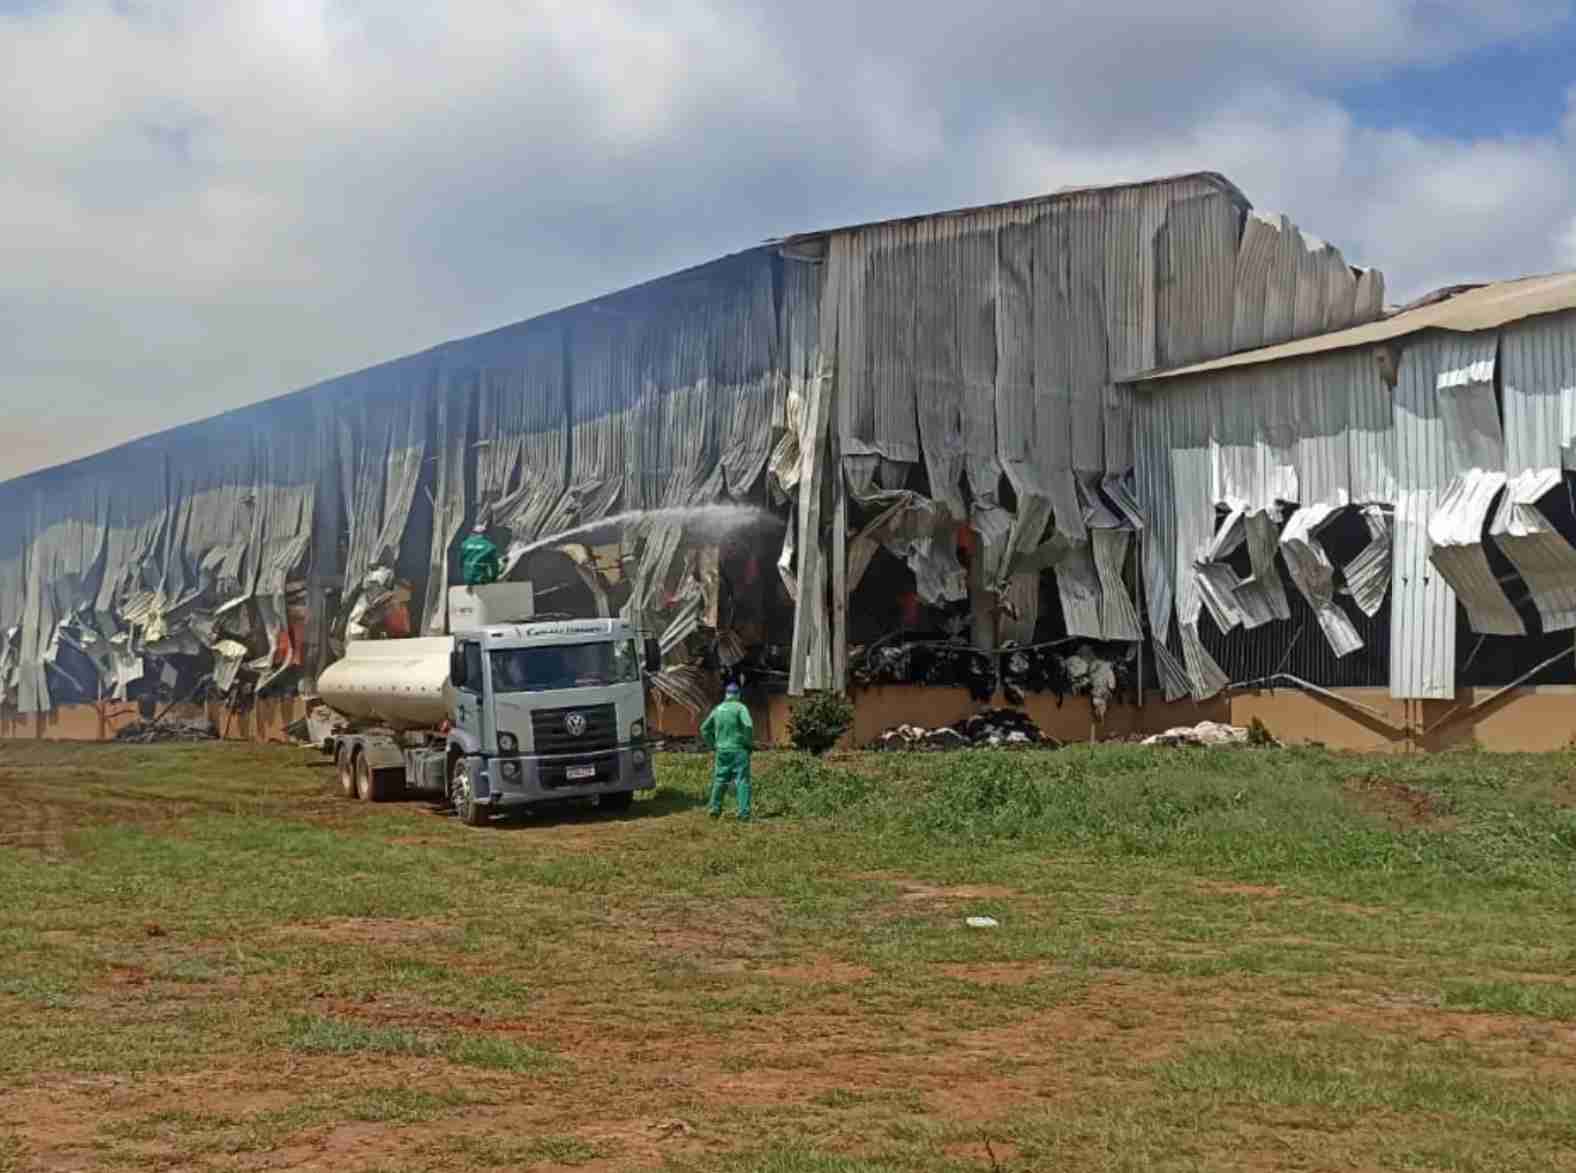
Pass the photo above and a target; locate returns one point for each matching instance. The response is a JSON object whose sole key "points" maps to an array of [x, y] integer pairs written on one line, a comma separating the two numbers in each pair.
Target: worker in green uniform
{"points": [[730, 732], [479, 558]]}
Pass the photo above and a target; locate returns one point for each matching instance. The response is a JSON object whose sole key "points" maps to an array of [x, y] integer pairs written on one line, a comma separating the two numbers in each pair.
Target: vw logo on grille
{"points": [[575, 724]]}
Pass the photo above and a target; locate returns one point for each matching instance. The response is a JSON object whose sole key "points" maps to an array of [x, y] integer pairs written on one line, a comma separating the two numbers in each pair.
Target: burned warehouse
{"points": [[1142, 446]]}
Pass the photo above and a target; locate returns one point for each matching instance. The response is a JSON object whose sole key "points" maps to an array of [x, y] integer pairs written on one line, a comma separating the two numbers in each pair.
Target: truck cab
{"points": [[547, 710]]}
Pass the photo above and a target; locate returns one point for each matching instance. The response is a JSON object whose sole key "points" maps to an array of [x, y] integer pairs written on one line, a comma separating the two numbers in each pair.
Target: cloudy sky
{"points": [[204, 203]]}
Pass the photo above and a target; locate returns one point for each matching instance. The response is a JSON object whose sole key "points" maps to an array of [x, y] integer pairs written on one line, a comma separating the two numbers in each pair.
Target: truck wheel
{"points": [[462, 796], [616, 803], [344, 764], [369, 787]]}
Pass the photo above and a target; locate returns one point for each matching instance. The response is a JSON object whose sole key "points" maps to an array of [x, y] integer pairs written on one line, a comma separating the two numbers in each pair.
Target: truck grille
{"points": [[551, 729], [555, 776]]}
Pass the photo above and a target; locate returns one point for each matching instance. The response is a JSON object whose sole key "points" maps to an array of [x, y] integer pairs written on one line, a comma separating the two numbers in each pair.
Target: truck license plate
{"points": [[576, 773]]}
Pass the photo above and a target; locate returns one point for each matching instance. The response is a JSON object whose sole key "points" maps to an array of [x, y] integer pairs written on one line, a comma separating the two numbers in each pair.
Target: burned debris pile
{"points": [[991, 729]]}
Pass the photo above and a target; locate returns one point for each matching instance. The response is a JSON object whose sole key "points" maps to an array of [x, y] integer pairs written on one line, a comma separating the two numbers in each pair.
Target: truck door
{"points": [[470, 712]]}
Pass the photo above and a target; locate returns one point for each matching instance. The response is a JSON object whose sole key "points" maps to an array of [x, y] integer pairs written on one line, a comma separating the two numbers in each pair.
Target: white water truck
{"points": [[504, 712]]}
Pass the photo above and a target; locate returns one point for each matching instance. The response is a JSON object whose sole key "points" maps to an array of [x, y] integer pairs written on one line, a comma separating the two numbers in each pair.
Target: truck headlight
{"points": [[637, 731], [508, 743]]}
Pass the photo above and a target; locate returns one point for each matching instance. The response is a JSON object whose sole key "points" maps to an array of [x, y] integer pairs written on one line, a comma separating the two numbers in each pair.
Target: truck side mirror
{"points": [[653, 656], [457, 668]]}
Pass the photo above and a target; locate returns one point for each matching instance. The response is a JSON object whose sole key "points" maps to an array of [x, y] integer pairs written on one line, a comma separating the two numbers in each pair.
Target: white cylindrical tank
{"points": [[401, 683]]}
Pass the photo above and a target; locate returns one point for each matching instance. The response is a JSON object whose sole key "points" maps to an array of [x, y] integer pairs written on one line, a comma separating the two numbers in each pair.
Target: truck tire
{"points": [[616, 803], [369, 782], [345, 767], [462, 799]]}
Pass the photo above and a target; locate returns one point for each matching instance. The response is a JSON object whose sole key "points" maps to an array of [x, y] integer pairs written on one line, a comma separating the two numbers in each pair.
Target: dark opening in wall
{"points": [[1487, 661], [1298, 646]]}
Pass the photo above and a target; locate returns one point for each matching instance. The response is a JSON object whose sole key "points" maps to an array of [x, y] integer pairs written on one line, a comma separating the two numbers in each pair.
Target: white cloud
{"points": [[209, 202]]}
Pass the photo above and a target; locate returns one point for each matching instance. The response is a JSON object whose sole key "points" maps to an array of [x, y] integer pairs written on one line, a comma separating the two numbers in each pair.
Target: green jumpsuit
{"points": [[479, 560], [730, 732]]}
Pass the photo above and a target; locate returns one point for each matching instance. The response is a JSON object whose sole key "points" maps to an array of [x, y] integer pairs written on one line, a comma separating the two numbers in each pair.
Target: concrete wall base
{"points": [[1524, 719]]}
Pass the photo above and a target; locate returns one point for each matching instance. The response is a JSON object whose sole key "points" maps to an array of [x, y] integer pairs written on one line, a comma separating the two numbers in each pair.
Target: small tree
{"points": [[818, 721]]}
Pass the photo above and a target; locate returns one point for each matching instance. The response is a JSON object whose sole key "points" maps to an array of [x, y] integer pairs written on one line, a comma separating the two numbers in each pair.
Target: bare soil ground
{"points": [[210, 961]]}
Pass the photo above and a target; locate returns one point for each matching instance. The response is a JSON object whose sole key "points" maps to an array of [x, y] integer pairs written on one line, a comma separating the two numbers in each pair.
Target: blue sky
{"points": [[1514, 89], [209, 202]]}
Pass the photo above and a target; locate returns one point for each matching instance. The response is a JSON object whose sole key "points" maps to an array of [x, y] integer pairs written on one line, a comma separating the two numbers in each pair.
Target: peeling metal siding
{"points": [[1280, 286], [1191, 480], [977, 318], [1015, 346], [1197, 290], [1474, 453], [889, 308], [937, 364], [1133, 221], [1261, 237], [1308, 315], [1368, 305], [1340, 292], [1118, 617], [1538, 368], [1423, 627], [1312, 572], [1368, 574], [1370, 437], [1152, 484]]}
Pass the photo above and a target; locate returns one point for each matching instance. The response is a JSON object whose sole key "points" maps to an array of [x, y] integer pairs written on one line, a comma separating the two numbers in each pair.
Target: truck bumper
{"points": [[524, 780]]}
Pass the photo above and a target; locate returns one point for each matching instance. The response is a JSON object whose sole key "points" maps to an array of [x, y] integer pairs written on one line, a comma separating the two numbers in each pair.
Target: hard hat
{"points": [[732, 689], [478, 528]]}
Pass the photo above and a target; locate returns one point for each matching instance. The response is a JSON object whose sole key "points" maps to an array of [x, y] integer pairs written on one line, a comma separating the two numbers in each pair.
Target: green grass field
{"points": [[1235, 959]]}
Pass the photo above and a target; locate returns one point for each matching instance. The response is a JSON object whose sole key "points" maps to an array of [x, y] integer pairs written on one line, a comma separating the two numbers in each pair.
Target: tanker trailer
{"points": [[496, 716]]}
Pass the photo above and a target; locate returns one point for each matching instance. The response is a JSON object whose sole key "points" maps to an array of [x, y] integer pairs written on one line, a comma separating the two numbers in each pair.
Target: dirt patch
{"points": [[1403, 806], [368, 931], [993, 1154], [928, 892], [1011, 973], [823, 971], [726, 936], [1215, 887]]}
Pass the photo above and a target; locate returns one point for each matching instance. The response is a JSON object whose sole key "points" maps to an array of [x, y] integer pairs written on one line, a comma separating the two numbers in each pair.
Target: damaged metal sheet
{"points": [[1474, 452], [1195, 515], [1538, 371], [1455, 535], [1070, 360], [913, 528], [1261, 237], [1174, 677], [688, 685], [1197, 299], [1018, 608], [1314, 575], [810, 666], [522, 438], [1368, 574], [1249, 602], [1423, 626], [1538, 551]]}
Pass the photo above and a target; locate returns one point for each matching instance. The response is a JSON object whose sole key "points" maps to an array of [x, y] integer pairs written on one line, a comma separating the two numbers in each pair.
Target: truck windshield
{"points": [[565, 666]]}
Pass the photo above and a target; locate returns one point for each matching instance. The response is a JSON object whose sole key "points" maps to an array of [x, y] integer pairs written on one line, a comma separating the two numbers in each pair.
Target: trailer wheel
{"points": [[462, 796], [369, 786], [344, 764]]}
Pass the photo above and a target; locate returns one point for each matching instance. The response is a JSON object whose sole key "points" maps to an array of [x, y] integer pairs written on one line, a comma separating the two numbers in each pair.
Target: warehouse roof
{"points": [[1463, 309], [1213, 178]]}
